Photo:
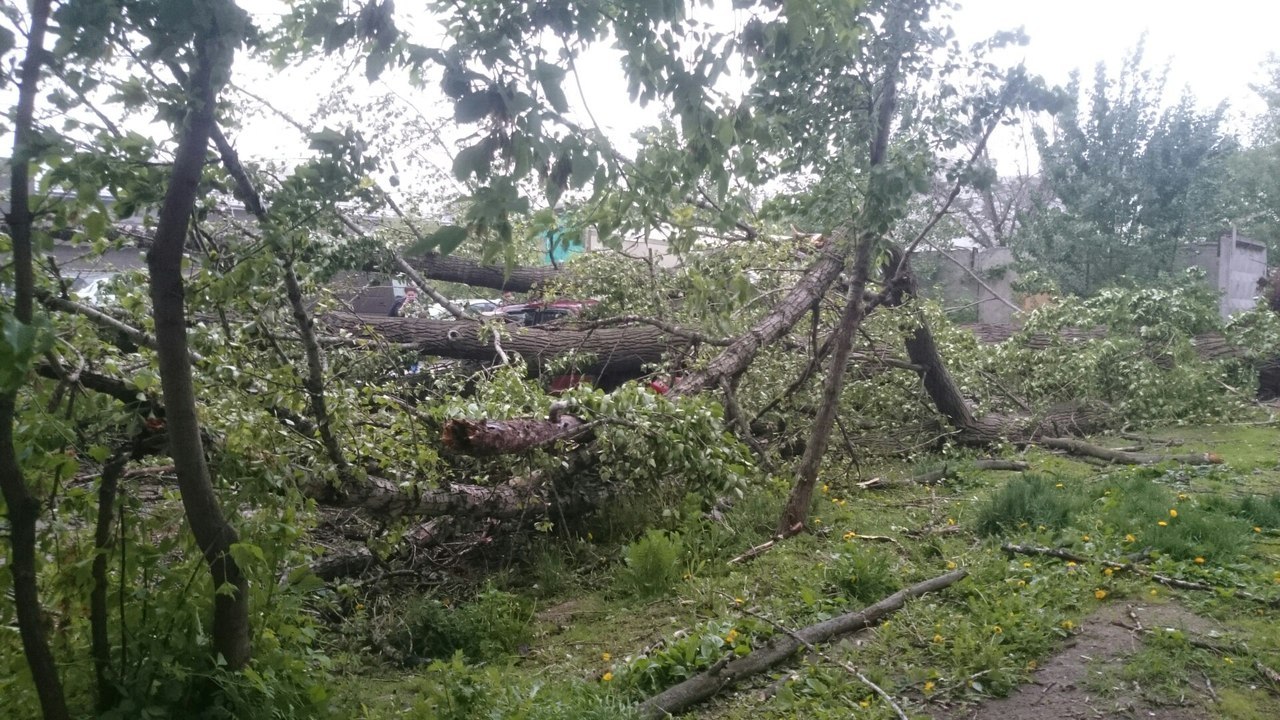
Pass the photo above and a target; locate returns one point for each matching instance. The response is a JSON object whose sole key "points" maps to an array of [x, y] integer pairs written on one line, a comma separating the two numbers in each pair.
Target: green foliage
{"points": [[1029, 500], [490, 626], [653, 564], [453, 690], [861, 574]]}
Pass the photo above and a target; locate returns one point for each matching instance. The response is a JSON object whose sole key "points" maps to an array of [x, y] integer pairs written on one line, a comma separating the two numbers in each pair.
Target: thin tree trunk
{"points": [[108, 487], [797, 508], [314, 382], [23, 506], [213, 534]]}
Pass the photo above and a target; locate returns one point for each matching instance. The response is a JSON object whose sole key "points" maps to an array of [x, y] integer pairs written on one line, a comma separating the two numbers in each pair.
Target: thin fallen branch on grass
{"points": [[844, 665], [1120, 457], [764, 547], [933, 477], [703, 686], [1162, 579]]}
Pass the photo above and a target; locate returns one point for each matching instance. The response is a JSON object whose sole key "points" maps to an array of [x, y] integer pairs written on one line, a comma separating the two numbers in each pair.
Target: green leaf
{"points": [[550, 77], [445, 240]]}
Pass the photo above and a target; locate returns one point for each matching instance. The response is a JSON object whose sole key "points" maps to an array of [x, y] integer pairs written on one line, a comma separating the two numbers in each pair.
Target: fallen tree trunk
{"points": [[933, 477], [451, 268], [499, 437], [734, 359], [703, 686], [1121, 457], [617, 351]]}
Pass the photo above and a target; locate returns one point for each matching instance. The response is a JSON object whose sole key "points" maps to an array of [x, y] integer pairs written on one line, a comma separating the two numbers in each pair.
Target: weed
{"points": [[492, 625], [1029, 500], [653, 564], [861, 574]]}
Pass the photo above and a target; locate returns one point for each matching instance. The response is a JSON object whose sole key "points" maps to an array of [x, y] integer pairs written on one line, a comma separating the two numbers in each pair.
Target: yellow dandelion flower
{"points": [[928, 686], [1130, 538], [1099, 593], [1257, 529], [1084, 538], [1163, 524], [1199, 561], [1041, 528], [738, 601], [1067, 624], [1026, 564], [817, 521], [840, 502], [606, 657], [1228, 661], [937, 638], [1154, 592], [951, 521], [1031, 664], [850, 535], [1173, 513], [1059, 485], [951, 565], [1071, 563], [1022, 583], [866, 702], [997, 629], [607, 677], [1182, 496], [733, 635], [825, 488], [1108, 572]]}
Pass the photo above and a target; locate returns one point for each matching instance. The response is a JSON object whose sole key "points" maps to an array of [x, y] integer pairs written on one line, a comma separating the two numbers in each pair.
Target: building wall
{"points": [[1234, 265]]}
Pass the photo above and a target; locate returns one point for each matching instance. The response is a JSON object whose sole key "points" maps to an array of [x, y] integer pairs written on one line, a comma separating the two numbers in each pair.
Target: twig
{"points": [[763, 548], [844, 665]]}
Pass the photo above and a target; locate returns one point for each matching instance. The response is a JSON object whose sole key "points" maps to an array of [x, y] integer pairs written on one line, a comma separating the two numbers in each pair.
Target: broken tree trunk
{"points": [[1121, 457], [451, 268], [734, 359], [499, 437], [703, 686], [623, 351]]}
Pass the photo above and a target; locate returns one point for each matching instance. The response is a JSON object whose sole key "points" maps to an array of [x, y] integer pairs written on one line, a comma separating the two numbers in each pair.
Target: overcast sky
{"points": [[1215, 49]]}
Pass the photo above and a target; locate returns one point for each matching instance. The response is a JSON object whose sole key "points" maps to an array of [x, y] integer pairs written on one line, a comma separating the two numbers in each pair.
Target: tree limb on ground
{"points": [[1157, 577], [1120, 457], [451, 268], [706, 685], [500, 437]]}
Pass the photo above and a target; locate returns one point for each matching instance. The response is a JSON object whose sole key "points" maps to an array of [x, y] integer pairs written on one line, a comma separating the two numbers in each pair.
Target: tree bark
{"points": [[702, 687], [615, 351], [213, 534], [500, 437], [1120, 457], [737, 357], [24, 507], [450, 268]]}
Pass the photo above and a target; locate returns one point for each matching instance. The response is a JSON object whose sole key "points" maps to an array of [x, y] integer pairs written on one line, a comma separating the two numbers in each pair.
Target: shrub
{"points": [[1029, 500], [653, 564]]}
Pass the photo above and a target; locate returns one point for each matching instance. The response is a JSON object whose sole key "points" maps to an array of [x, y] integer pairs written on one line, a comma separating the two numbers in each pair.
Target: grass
{"points": [[600, 640]]}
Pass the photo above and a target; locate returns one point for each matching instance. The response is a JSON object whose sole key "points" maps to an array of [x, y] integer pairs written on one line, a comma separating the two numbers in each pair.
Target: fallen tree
{"points": [[620, 351], [451, 268], [1122, 457], [730, 670]]}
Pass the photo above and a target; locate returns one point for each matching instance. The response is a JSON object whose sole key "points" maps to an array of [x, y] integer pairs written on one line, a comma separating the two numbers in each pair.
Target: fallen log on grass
{"points": [[1130, 567], [703, 686], [1120, 457]]}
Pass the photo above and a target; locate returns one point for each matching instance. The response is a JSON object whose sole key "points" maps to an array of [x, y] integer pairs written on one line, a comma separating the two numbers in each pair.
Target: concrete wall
{"points": [[1234, 265]]}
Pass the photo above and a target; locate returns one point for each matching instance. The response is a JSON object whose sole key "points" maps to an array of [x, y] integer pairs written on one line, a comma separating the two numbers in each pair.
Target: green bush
{"points": [[1029, 501], [653, 564], [494, 624]]}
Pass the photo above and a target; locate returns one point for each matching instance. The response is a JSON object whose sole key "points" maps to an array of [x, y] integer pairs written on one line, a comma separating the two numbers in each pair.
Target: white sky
{"points": [[1215, 49]]}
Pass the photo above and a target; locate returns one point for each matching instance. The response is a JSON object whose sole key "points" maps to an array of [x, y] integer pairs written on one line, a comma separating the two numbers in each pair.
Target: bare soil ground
{"points": [[1066, 685]]}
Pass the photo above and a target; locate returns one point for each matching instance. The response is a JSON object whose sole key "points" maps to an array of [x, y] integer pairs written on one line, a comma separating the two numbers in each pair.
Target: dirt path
{"points": [[1061, 688]]}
